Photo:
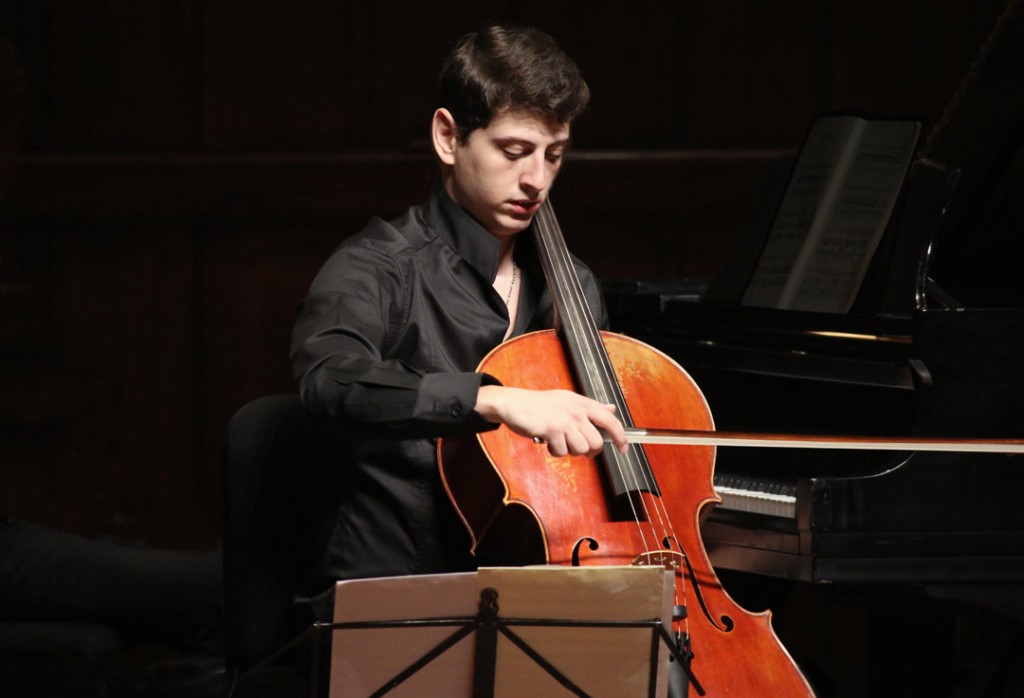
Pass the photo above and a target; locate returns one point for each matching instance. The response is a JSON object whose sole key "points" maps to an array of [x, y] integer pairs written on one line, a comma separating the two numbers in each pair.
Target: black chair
{"points": [[281, 496]]}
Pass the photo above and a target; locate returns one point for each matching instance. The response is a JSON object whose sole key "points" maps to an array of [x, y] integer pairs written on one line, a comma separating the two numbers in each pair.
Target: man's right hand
{"points": [[569, 423]]}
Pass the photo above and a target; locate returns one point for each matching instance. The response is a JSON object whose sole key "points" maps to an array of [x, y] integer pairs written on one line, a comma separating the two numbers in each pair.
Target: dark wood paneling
{"points": [[122, 76], [632, 58], [904, 58], [316, 74], [105, 391], [755, 73], [277, 73], [206, 188], [252, 282], [656, 216], [395, 95]]}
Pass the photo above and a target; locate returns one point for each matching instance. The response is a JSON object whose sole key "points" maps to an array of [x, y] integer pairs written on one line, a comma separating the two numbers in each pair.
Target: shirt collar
{"points": [[464, 234]]}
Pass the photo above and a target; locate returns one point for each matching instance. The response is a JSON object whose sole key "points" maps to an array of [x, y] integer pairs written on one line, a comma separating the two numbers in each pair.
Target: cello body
{"points": [[523, 506]]}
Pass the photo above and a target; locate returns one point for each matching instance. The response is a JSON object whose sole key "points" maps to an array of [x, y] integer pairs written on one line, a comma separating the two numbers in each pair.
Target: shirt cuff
{"points": [[450, 398]]}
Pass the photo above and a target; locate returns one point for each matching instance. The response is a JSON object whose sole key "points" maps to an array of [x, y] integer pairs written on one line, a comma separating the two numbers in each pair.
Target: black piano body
{"points": [[854, 516]]}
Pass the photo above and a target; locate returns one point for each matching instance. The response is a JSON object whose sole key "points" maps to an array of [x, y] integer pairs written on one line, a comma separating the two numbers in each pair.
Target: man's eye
{"points": [[514, 153], [555, 157]]}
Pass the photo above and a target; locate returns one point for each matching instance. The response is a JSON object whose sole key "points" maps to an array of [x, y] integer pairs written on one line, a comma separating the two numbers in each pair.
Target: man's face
{"points": [[503, 172]]}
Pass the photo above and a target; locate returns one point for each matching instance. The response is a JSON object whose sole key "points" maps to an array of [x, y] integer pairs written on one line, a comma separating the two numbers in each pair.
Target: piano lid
{"points": [[975, 262]]}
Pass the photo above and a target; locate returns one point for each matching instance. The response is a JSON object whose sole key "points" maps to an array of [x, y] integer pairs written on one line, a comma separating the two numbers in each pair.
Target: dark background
{"points": [[186, 166]]}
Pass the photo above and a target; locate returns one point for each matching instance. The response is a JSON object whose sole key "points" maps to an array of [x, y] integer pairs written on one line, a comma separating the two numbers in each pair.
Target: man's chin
{"points": [[518, 221]]}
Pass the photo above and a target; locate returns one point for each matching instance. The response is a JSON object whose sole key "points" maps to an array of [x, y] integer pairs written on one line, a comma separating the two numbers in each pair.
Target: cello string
{"points": [[602, 372], [552, 255], [586, 331], [597, 363], [580, 326]]}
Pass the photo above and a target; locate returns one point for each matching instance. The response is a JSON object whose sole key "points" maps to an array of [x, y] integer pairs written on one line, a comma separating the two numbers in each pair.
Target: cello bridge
{"points": [[669, 559]]}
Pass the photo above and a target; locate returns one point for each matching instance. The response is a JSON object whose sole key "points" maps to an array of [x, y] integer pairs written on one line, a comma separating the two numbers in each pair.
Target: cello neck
{"points": [[573, 316], [629, 472]]}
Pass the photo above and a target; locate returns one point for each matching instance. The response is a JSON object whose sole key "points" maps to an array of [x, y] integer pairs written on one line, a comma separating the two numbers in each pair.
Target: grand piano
{"points": [[932, 346]]}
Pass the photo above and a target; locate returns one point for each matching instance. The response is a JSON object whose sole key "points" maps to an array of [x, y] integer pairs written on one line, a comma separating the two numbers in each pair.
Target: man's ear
{"points": [[444, 133]]}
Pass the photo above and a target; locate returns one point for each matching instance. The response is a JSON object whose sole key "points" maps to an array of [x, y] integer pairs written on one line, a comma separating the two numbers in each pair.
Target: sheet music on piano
{"points": [[836, 208]]}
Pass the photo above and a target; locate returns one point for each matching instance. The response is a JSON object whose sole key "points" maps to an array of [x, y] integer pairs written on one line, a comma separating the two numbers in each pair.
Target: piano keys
{"points": [[756, 495]]}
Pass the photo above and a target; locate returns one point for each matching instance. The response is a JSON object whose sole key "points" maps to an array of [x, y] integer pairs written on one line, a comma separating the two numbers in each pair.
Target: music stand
{"points": [[533, 631]]}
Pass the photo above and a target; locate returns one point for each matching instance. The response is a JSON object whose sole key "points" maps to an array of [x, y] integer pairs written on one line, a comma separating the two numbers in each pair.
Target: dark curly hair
{"points": [[502, 68]]}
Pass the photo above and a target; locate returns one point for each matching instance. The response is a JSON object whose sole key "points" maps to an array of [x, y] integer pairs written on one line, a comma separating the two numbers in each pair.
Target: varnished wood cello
{"points": [[522, 505]]}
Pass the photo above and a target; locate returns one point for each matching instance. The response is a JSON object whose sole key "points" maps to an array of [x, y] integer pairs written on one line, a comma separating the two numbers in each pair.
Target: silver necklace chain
{"points": [[511, 286]]}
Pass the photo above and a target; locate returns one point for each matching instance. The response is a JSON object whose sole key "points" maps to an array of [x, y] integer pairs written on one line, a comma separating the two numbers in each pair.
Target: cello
{"points": [[523, 506]]}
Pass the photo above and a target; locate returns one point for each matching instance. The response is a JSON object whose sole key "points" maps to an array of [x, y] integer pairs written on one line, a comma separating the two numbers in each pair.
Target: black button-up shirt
{"points": [[386, 346]]}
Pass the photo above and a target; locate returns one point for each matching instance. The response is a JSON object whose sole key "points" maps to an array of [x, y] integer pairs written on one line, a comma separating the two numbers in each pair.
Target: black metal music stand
{"points": [[487, 624], [547, 598]]}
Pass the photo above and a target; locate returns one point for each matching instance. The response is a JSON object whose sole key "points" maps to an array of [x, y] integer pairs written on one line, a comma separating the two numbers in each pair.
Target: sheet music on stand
{"points": [[612, 662], [836, 208]]}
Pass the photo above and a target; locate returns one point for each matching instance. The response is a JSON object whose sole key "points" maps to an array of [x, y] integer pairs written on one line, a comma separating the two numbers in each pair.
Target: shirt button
{"points": [[456, 410]]}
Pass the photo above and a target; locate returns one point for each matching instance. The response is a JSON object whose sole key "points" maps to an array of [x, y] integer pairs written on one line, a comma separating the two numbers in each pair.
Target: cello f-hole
{"points": [[726, 623], [591, 543]]}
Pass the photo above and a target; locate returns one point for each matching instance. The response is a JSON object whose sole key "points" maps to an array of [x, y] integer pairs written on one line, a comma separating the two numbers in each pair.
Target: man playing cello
{"points": [[387, 342]]}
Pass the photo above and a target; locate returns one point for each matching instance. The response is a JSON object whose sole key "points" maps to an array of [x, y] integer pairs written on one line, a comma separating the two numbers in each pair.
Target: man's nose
{"points": [[536, 175]]}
